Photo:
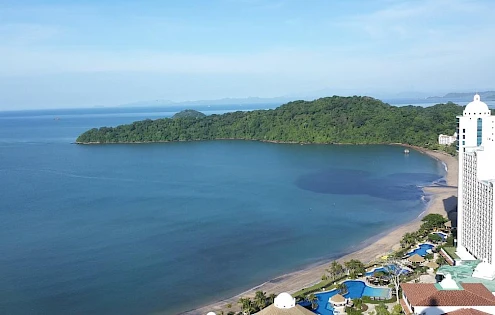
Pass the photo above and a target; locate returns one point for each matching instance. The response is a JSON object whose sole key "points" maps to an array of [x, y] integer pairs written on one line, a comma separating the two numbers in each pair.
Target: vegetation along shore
{"points": [[331, 120], [342, 120]]}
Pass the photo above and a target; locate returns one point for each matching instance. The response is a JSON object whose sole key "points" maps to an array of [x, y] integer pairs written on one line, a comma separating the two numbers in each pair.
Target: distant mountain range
{"points": [[412, 95], [486, 96], [223, 101]]}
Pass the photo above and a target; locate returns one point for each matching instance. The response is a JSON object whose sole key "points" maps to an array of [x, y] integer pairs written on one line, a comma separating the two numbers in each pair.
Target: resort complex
{"points": [[445, 267]]}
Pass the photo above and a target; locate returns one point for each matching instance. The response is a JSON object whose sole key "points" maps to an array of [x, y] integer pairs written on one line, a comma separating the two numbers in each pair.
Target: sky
{"points": [[62, 54]]}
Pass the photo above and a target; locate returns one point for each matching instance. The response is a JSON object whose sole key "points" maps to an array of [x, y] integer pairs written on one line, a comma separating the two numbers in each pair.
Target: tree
{"points": [[260, 300], [357, 303], [435, 238], [354, 267], [381, 309], [441, 260], [335, 269], [397, 309], [313, 300], [434, 220], [353, 311], [246, 305], [342, 287], [271, 298], [407, 240], [335, 119], [394, 270]]}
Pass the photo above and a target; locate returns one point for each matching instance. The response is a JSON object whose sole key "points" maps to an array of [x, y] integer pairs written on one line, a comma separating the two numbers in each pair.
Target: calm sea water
{"points": [[137, 229]]}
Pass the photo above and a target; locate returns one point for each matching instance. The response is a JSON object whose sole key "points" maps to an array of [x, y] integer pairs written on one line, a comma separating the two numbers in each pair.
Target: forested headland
{"points": [[345, 120]]}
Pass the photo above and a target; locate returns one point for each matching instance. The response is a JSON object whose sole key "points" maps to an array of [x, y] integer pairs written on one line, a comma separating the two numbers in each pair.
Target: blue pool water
{"points": [[422, 250], [370, 273], [356, 289], [442, 235]]}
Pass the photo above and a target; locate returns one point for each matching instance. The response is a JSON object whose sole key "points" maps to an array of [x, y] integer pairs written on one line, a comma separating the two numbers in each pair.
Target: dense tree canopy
{"points": [[189, 113], [353, 120]]}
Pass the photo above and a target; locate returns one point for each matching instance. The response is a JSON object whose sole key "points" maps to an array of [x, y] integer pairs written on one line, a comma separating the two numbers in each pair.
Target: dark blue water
{"points": [[136, 229]]}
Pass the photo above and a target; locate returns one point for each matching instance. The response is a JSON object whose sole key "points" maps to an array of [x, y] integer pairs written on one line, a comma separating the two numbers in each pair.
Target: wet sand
{"points": [[442, 202]]}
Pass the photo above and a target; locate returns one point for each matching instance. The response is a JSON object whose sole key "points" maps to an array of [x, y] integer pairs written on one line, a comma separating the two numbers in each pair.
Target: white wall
{"points": [[438, 310]]}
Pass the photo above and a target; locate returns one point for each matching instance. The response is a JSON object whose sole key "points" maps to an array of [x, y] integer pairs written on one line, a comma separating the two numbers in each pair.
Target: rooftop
{"points": [[427, 294], [466, 311], [464, 274]]}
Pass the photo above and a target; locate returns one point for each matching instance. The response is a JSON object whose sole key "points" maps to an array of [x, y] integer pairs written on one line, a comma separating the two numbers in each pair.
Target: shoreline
{"points": [[371, 249]]}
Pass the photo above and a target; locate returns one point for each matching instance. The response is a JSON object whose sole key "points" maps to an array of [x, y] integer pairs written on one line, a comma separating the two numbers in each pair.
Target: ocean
{"points": [[141, 229]]}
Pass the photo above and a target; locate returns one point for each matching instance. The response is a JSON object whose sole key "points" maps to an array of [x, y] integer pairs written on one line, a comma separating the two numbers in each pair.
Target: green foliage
{"points": [[435, 238], [353, 120], [335, 269], [441, 261], [354, 267], [381, 309], [429, 256], [397, 309], [450, 240], [368, 300], [342, 287], [313, 300], [353, 311], [434, 220], [259, 302], [189, 113]]}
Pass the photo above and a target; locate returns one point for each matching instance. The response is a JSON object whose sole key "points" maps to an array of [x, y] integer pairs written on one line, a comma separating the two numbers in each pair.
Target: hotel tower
{"points": [[476, 192]]}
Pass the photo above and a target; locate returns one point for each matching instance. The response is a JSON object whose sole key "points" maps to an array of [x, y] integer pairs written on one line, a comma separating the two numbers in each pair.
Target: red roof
{"points": [[466, 311], [426, 294]]}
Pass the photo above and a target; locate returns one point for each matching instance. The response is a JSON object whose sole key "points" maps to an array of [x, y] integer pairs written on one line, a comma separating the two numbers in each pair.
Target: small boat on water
{"points": [[406, 151]]}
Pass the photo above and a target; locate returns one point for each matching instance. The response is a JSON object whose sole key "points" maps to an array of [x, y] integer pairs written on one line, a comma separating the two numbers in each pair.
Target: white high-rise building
{"points": [[476, 192]]}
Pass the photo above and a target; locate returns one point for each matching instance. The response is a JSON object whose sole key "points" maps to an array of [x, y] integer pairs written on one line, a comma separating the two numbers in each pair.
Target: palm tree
{"points": [[354, 267], [408, 239], [342, 287], [335, 269], [260, 300], [271, 298], [246, 305], [313, 300]]}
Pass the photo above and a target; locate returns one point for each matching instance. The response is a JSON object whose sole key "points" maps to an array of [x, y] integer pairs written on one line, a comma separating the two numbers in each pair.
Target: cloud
{"points": [[416, 19]]}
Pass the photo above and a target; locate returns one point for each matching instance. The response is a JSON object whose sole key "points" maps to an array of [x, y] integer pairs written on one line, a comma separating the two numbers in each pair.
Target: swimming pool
{"points": [[356, 289], [383, 269], [421, 250], [442, 235]]}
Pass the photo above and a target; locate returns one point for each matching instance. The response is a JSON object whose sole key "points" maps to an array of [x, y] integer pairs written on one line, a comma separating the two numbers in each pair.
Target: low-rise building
{"points": [[446, 297], [446, 139]]}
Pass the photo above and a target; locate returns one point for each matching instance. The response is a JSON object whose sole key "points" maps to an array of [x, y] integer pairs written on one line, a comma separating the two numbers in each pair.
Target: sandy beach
{"points": [[443, 201]]}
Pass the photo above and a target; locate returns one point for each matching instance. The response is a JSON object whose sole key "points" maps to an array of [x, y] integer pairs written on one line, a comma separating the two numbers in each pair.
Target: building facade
{"points": [[447, 140], [476, 193]]}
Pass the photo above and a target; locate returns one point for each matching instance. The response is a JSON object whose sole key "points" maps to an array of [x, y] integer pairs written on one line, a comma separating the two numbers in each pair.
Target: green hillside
{"points": [[353, 120]]}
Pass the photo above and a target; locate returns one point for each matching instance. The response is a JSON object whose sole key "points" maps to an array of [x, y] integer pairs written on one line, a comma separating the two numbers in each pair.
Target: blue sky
{"points": [[108, 52]]}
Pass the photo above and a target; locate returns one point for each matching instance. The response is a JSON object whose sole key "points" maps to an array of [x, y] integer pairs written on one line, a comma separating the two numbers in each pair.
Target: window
{"points": [[479, 131]]}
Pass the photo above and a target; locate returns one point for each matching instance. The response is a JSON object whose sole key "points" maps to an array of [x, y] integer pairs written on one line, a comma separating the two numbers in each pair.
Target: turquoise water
{"points": [[137, 229], [421, 250], [356, 289], [383, 269]]}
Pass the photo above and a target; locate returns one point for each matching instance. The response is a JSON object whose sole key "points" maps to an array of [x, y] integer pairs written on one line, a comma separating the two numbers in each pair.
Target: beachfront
{"points": [[443, 202]]}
